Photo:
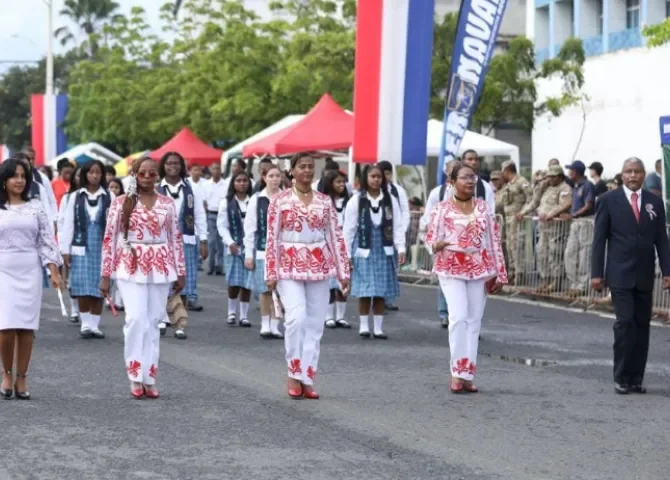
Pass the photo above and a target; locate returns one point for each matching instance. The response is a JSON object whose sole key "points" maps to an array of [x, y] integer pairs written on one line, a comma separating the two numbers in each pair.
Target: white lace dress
{"points": [[26, 245]]}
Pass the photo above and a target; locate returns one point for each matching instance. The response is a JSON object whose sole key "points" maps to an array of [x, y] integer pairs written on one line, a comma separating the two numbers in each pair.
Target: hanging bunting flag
{"points": [[394, 49]]}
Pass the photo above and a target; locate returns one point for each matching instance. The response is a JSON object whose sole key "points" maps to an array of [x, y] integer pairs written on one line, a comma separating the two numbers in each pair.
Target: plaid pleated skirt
{"points": [[257, 278], [376, 275], [191, 255], [236, 273], [85, 271]]}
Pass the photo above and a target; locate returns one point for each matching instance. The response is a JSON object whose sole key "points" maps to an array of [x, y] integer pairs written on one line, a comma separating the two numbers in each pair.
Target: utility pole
{"points": [[50, 101]]}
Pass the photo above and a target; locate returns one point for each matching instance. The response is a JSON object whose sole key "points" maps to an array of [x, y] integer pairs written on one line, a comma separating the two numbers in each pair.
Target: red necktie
{"points": [[636, 209]]}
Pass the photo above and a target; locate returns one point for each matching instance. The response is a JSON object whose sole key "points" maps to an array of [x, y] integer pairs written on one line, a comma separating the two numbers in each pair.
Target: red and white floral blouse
{"points": [[155, 238], [473, 248], [304, 242]]}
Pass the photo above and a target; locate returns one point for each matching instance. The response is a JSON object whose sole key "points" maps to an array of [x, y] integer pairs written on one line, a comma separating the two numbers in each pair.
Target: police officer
{"points": [[553, 231], [517, 193]]}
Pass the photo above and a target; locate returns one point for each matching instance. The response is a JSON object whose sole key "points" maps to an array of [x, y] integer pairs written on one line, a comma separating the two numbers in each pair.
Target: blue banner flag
{"points": [[478, 26]]}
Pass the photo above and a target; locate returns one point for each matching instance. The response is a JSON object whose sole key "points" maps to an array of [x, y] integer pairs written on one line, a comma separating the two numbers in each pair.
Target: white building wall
{"points": [[655, 11], [542, 30], [564, 24], [589, 18], [617, 15], [628, 93]]}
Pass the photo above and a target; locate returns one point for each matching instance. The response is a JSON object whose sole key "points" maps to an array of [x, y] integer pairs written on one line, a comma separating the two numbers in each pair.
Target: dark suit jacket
{"points": [[629, 245]]}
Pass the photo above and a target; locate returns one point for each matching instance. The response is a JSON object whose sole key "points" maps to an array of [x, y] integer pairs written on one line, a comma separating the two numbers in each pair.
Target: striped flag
{"points": [[48, 137], [394, 45], [5, 152]]}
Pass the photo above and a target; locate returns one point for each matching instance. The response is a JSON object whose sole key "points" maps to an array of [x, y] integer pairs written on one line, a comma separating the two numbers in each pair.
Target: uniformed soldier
{"points": [[517, 193], [553, 230]]}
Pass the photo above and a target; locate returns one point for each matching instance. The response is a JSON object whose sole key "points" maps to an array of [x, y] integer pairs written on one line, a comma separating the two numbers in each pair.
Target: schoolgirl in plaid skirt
{"points": [[334, 184], [230, 223], [81, 244], [74, 187], [255, 236], [373, 233]]}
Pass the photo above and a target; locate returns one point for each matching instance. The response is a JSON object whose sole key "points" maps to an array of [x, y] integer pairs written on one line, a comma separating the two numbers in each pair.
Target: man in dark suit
{"points": [[630, 226]]}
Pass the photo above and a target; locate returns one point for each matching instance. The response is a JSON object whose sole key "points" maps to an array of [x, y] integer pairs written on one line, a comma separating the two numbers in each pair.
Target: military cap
{"points": [[507, 164], [555, 171]]}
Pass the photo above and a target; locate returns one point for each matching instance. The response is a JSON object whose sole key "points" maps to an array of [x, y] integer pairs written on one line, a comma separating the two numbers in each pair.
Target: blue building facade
{"points": [[604, 25]]}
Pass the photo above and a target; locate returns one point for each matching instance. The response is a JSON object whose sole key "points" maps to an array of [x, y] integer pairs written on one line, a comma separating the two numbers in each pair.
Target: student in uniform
{"points": [[374, 231], [230, 222], [115, 186], [81, 244], [400, 195], [192, 222], [255, 237], [74, 186], [334, 185]]}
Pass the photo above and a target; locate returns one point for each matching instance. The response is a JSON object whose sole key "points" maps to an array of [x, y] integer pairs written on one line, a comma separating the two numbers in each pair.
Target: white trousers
{"points": [[305, 306], [466, 300], [145, 306]]}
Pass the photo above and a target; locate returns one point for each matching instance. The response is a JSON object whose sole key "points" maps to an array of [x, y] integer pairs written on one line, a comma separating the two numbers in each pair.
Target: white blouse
{"points": [[200, 219], [222, 224], [251, 225], [66, 235], [350, 229]]}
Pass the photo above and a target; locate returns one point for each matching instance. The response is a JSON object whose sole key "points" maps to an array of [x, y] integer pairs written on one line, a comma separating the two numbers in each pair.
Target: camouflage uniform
{"points": [[553, 234], [500, 210], [516, 194]]}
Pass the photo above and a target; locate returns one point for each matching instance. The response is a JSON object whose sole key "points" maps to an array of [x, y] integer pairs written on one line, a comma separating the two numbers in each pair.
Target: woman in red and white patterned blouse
{"points": [[469, 262], [142, 251], [304, 249]]}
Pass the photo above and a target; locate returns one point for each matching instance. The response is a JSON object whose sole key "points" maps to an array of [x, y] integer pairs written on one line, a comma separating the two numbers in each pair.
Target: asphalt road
{"points": [[385, 412]]}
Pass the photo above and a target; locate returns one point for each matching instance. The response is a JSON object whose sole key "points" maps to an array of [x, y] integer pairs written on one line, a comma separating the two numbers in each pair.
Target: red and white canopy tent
{"points": [[327, 126], [189, 146]]}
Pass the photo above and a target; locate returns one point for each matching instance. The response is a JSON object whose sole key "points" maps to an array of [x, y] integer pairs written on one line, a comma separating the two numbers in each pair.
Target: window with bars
{"points": [[632, 14]]}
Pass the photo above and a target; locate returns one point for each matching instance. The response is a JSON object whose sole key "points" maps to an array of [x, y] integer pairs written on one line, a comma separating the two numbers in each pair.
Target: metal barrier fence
{"points": [[545, 260]]}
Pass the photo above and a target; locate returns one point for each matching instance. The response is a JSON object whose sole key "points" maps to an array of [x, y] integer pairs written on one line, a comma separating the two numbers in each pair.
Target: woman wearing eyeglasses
{"points": [[469, 262], [142, 251]]}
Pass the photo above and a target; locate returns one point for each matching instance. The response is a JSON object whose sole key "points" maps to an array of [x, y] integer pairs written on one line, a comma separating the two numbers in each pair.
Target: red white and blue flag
{"points": [[48, 137], [5, 152], [394, 48]]}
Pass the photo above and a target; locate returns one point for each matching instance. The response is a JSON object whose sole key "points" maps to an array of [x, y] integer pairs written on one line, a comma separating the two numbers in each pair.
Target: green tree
{"points": [[509, 95], [89, 16], [658, 34]]}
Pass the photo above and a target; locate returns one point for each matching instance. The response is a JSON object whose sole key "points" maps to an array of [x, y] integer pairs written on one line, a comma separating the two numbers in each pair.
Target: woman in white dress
{"points": [[27, 245]]}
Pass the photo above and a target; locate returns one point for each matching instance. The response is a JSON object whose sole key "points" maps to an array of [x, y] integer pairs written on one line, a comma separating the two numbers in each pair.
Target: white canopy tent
{"points": [[483, 145], [236, 150], [88, 151]]}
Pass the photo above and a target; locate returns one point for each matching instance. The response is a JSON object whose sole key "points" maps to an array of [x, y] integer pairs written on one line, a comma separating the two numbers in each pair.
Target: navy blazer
{"points": [[629, 245]]}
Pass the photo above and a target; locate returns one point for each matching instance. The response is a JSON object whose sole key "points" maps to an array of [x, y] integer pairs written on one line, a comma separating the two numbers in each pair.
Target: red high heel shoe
{"points": [[153, 394], [295, 392], [468, 387], [309, 393], [456, 387], [137, 393]]}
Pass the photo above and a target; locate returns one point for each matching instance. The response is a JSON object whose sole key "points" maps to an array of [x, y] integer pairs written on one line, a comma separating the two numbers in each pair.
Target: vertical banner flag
{"points": [[476, 34], [665, 147], [394, 51], [48, 137]]}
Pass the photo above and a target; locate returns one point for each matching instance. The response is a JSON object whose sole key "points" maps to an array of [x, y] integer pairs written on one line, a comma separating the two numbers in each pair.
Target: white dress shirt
{"points": [[214, 192], [222, 224], [629, 197], [250, 227], [403, 204], [489, 196], [350, 228], [66, 236], [200, 219]]}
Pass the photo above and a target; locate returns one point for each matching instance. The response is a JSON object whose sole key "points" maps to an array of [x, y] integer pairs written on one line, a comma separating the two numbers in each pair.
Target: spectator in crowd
{"points": [[629, 233], [515, 195], [552, 207], [595, 172], [48, 171], [263, 166], [61, 185], [214, 193], [483, 188], [238, 166], [110, 173], [498, 184], [578, 248], [654, 181]]}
